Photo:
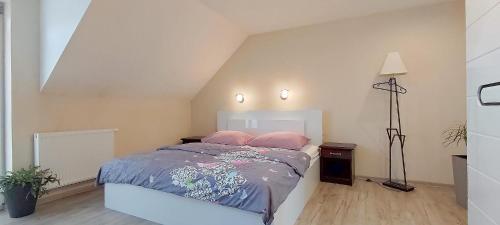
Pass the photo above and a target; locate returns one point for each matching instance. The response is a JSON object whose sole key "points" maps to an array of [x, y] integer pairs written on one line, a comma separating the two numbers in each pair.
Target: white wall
{"points": [[128, 65], [483, 57], [332, 67], [58, 21], [329, 67], [144, 123]]}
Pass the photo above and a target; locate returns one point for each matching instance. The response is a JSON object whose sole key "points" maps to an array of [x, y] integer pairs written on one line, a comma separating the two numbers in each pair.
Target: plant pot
{"points": [[460, 178], [20, 202]]}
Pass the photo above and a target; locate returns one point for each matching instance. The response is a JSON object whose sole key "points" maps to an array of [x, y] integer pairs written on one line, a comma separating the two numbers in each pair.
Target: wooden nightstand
{"points": [[192, 139], [337, 162]]}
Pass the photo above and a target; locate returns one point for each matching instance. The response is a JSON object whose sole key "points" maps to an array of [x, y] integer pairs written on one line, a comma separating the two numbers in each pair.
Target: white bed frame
{"points": [[170, 209]]}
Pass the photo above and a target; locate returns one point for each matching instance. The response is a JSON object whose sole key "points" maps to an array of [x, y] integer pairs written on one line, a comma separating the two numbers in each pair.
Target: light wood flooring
{"points": [[371, 204], [363, 204]]}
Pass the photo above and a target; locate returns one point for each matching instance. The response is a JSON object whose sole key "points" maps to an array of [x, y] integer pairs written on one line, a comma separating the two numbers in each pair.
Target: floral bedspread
{"points": [[248, 178]]}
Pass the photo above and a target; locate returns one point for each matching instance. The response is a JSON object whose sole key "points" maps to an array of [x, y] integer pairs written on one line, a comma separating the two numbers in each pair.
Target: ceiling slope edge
{"points": [[58, 22], [154, 49]]}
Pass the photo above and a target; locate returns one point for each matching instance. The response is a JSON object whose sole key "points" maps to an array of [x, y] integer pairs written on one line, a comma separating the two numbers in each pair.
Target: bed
{"points": [[170, 209]]}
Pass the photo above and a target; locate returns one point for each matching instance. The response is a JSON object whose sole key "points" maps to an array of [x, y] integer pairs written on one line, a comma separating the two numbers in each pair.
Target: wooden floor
{"points": [[371, 204], [363, 204]]}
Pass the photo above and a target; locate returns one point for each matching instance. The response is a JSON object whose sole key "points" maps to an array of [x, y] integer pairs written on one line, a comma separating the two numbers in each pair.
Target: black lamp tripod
{"points": [[392, 133]]}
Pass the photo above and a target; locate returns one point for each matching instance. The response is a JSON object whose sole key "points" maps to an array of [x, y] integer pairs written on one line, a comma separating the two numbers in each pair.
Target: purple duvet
{"points": [[249, 178]]}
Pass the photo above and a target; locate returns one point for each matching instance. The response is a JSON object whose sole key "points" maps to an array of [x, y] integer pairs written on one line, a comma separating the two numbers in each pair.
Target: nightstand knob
{"points": [[336, 153]]}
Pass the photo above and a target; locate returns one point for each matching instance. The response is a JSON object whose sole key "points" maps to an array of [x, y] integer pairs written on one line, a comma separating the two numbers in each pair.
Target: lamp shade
{"points": [[393, 65]]}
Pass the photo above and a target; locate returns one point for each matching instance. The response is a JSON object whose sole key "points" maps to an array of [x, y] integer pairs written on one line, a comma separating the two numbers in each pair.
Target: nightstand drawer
{"points": [[193, 139], [336, 154]]}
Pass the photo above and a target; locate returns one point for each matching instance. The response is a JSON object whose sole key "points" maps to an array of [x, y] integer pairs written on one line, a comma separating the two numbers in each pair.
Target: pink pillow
{"points": [[228, 137], [287, 140]]}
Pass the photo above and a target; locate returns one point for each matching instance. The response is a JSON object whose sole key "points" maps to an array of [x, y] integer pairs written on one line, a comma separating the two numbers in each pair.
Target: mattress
{"points": [[311, 150]]}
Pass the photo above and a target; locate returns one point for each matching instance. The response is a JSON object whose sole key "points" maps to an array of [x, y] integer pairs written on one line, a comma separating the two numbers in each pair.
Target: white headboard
{"points": [[307, 122]]}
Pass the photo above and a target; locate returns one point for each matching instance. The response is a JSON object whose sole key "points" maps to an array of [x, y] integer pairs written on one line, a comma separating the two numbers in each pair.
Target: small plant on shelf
{"points": [[23, 187], [455, 135]]}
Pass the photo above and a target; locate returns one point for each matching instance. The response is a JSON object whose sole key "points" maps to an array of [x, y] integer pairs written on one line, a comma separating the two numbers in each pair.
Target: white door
{"points": [[483, 110]]}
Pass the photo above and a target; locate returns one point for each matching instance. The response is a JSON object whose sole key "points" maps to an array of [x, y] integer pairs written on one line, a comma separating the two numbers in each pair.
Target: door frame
{"points": [[5, 93]]}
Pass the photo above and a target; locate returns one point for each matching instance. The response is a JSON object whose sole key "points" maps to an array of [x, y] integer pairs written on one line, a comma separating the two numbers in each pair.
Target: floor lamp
{"points": [[394, 66]]}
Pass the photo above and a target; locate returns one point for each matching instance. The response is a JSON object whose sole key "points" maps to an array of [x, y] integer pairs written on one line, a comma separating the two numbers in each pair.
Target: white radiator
{"points": [[75, 156]]}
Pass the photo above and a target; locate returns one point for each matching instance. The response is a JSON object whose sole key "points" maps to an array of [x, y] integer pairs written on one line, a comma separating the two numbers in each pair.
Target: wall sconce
{"points": [[284, 94], [240, 98]]}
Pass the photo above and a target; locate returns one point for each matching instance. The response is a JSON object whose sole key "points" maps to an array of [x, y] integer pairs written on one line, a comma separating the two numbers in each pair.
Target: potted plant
{"points": [[458, 135], [22, 188]]}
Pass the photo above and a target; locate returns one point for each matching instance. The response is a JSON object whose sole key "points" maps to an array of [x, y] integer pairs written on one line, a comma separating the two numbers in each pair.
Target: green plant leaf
{"points": [[34, 176]]}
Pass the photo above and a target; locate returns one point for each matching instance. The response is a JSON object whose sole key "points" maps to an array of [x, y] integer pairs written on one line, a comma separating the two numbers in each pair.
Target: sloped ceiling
{"points": [[174, 47], [258, 16], [144, 48]]}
